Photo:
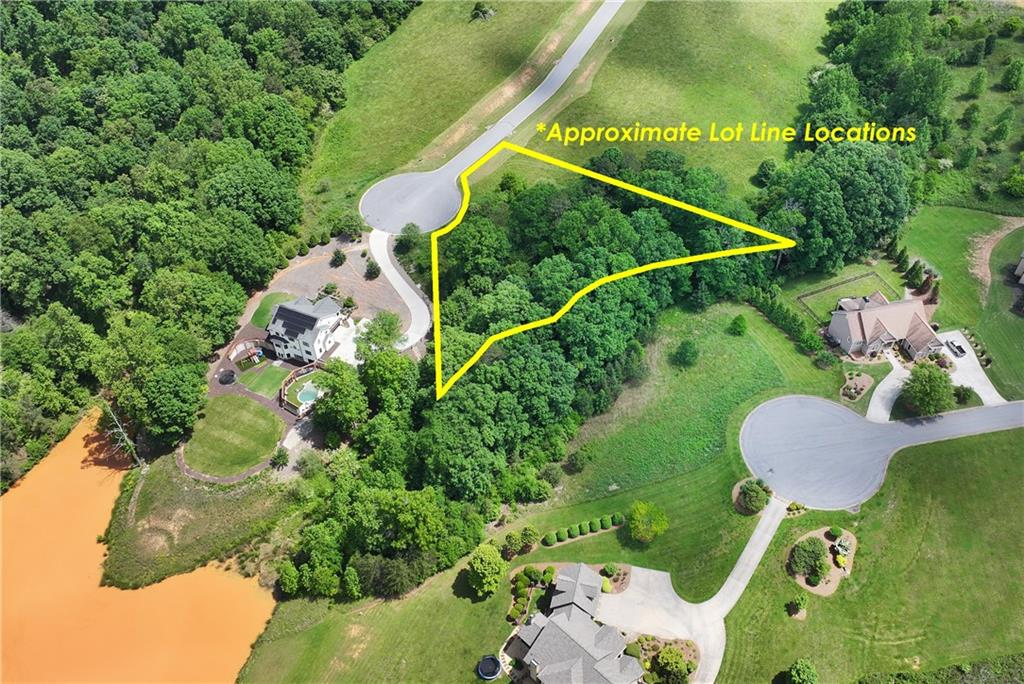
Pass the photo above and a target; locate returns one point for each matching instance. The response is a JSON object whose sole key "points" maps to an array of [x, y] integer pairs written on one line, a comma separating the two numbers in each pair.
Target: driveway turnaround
{"points": [[419, 311], [888, 391], [650, 605], [967, 370], [826, 456], [431, 199]]}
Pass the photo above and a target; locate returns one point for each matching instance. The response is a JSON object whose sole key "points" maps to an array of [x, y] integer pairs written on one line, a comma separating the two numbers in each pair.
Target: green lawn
{"points": [[179, 523], [234, 433], [264, 379], [1002, 330], [296, 387], [942, 236], [815, 295], [701, 62], [937, 578], [410, 88], [261, 317]]}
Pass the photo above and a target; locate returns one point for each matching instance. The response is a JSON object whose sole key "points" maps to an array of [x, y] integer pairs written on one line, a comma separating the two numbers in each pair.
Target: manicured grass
{"points": [[942, 236], [1000, 328], [296, 387], [937, 578], [877, 371], [180, 524], [701, 63], [234, 433], [410, 88], [261, 317], [815, 295], [264, 379]]}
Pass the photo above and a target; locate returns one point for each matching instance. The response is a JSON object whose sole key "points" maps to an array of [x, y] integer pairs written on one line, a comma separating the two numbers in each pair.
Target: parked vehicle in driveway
{"points": [[954, 347]]}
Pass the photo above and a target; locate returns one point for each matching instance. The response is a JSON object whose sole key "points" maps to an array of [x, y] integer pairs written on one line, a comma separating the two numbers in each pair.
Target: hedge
{"points": [[617, 519], [606, 522], [787, 320], [574, 531], [584, 527], [549, 539], [562, 534], [595, 525]]}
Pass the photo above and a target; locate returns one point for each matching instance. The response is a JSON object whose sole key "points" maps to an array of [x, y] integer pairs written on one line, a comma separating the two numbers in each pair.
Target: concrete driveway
{"points": [[888, 391], [431, 199], [826, 456], [968, 370], [419, 310], [650, 605]]}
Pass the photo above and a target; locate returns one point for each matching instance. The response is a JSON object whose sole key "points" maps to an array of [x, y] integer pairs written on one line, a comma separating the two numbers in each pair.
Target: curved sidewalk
{"points": [[432, 198]]}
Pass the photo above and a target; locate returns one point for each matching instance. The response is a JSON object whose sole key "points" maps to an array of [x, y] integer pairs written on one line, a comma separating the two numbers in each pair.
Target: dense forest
{"points": [[149, 164]]}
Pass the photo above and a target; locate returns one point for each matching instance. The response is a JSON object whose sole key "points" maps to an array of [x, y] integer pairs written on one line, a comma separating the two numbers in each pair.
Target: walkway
{"points": [[419, 311], [888, 391], [650, 605], [826, 456], [431, 199]]}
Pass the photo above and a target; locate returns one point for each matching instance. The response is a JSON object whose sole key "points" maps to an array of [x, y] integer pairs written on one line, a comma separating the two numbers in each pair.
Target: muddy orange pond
{"points": [[60, 625]]}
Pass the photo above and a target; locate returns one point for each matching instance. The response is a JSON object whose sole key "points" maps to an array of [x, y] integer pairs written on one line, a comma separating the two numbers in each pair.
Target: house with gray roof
{"points": [[567, 646], [867, 325], [303, 330]]}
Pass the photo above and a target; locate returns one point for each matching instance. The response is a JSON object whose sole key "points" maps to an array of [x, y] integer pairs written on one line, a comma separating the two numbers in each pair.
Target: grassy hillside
{"points": [[413, 86], [700, 62], [1000, 328], [937, 580]]}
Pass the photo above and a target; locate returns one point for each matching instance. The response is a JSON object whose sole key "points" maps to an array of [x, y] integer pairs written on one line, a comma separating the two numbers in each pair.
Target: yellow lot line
{"points": [[441, 386]]}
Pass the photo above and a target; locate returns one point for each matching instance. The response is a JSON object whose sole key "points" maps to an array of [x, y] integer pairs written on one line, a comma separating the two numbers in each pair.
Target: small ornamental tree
{"points": [[928, 390], [513, 542], [685, 354], [1013, 76], [672, 666], [977, 85], [902, 260], [737, 326], [372, 269], [338, 258], [528, 537], [486, 570], [802, 672], [809, 557], [549, 539], [915, 274], [279, 459], [752, 497], [350, 587], [288, 577], [646, 521]]}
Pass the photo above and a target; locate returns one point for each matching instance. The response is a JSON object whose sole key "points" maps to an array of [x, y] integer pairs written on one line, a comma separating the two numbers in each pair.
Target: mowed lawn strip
{"points": [[936, 581], [819, 292], [264, 379], [700, 63], [1000, 328], [409, 89], [942, 236], [261, 317], [233, 434]]}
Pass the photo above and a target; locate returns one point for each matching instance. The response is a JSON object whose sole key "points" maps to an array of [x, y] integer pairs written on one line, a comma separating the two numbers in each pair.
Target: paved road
{"points": [[419, 311], [968, 371], [650, 605], [825, 456], [888, 391], [431, 199]]}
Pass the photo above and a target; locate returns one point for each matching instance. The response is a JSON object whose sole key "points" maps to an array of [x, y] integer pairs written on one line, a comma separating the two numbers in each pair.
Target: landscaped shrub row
{"points": [[522, 582], [605, 522], [787, 320]]}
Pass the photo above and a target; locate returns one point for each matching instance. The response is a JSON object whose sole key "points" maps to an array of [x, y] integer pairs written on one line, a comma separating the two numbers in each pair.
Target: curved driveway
{"points": [[826, 456], [419, 312], [431, 199]]}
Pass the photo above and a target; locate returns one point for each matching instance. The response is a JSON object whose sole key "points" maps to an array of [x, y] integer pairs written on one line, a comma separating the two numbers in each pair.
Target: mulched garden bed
{"points": [[830, 582]]}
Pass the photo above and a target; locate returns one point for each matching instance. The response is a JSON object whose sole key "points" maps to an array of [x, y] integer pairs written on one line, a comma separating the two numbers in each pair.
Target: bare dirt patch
{"points": [[981, 251], [830, 582]]}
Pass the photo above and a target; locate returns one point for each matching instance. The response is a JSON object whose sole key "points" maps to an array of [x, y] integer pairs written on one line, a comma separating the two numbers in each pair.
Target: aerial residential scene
{"points": [[549, 342]]}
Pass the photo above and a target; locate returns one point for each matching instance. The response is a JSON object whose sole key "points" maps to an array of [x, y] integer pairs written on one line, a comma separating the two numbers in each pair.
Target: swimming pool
{"points": [[309, 392]]}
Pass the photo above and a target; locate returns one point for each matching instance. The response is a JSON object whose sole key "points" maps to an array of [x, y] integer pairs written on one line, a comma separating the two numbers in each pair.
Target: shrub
{"points": [[574, 531], [646, 521], [532, 573], [549, 539], [279, 459], [551, 473], [372, 269], [521, 592], [330, 288], [606, 585], [595, 525], [514, 613], [606, 522], [835, 533], [825, 360], [809, 557], [962, 394], [633, 649], [813, 580], [617, 519], [338, 258], [584, 528], [766, 170], [752, 497], [549, 574], [528, 537], [562, 534], [673, 667], [685, 354], [797, 604], [802, 672], [579, 459], [520, 581], [840, 560], [325, 237], [610, 569], [513, 542], [738, 326]]}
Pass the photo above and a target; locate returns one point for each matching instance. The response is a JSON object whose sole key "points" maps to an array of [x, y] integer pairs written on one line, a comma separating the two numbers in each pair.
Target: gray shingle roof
{"points": [[579, 586]]}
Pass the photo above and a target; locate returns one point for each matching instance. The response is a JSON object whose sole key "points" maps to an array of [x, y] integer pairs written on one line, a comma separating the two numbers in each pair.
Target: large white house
{"points": [[304, 330], [867, 325]]}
